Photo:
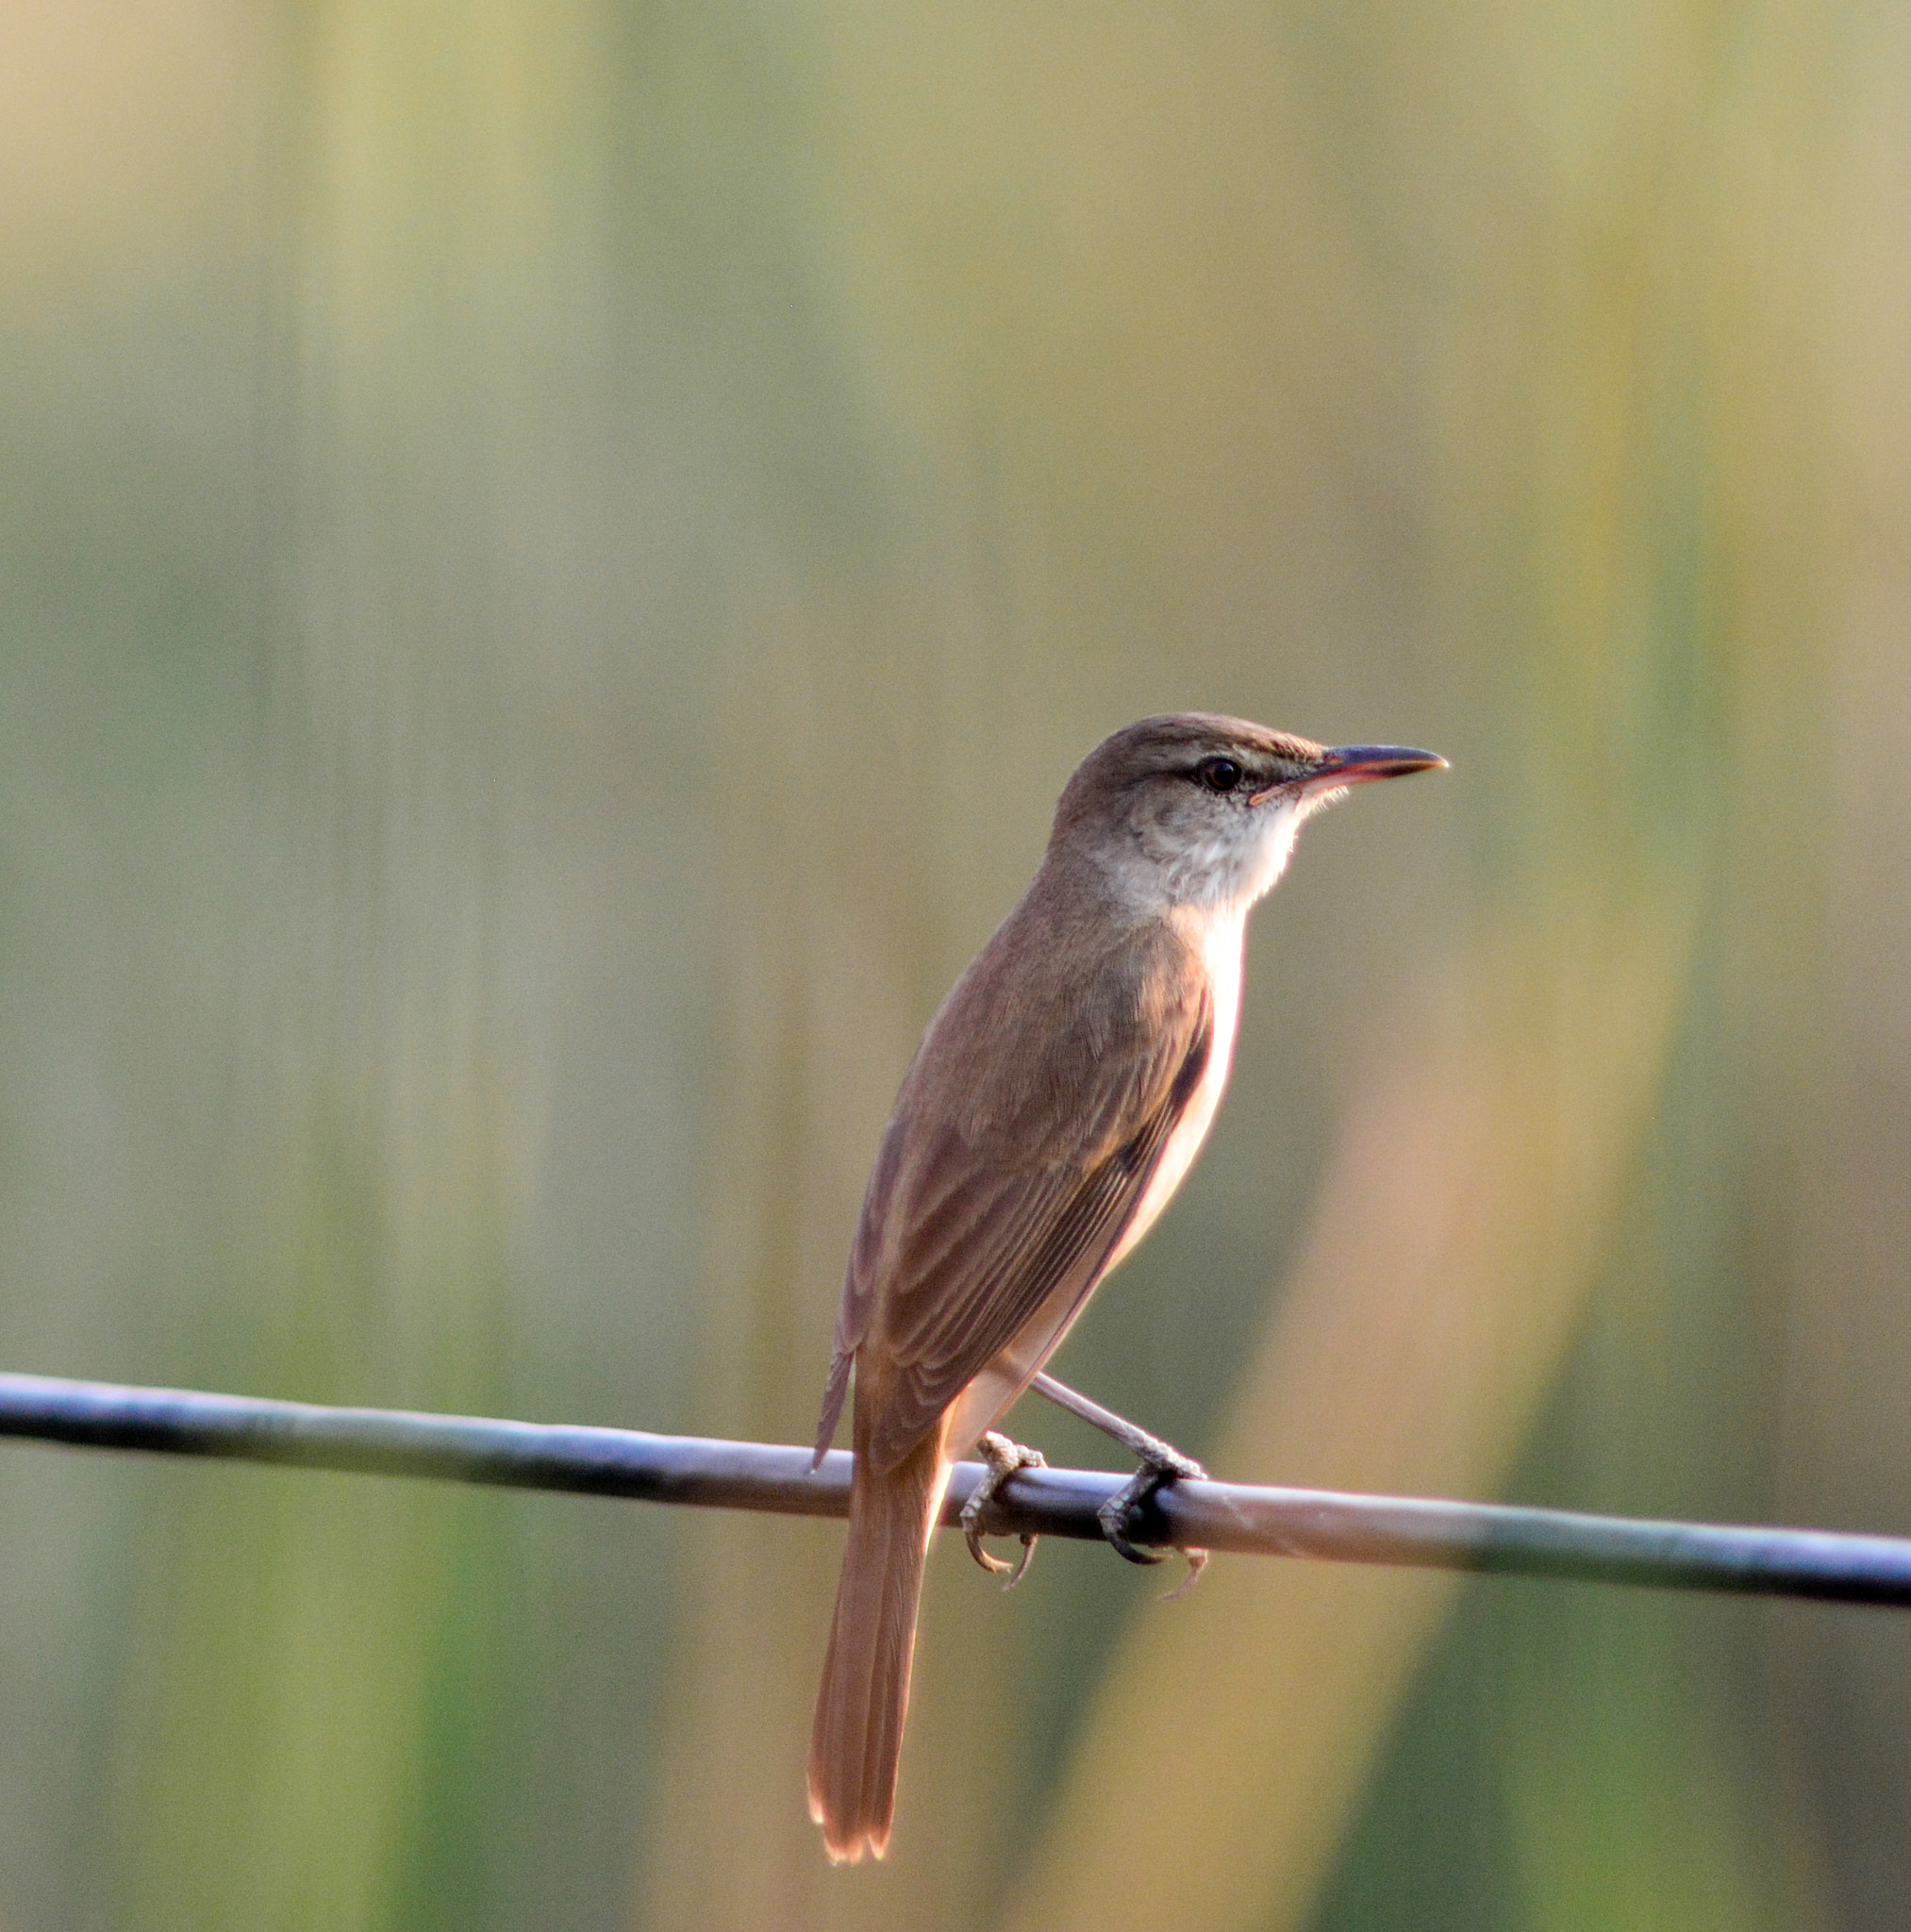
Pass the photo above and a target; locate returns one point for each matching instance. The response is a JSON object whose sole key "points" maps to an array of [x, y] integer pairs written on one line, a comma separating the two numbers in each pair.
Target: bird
{"points": [[1052, 1107]]}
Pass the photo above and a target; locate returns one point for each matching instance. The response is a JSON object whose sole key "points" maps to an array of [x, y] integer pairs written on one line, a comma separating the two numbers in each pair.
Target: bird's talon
{"points": [[1004, 1458], [1029, 1543], [1161, 1465], [994, 1565], [1197, 1562], [1113, 1517]]}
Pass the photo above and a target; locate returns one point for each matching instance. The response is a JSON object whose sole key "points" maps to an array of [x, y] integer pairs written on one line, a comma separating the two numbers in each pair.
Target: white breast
{"points": [[1220, 936]]}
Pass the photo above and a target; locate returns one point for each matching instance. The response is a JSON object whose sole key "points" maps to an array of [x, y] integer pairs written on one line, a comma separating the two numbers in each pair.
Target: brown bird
{"points": [[1053, 1106]]}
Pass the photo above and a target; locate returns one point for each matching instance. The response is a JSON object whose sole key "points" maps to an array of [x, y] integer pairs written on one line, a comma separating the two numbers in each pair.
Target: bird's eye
{"points": [[1219, 775]]}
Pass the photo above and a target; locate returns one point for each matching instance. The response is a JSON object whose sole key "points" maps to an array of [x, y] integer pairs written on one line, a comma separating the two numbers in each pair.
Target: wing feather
{"points": [[1001, 1185], [1005, 1179], [996, 1287]]}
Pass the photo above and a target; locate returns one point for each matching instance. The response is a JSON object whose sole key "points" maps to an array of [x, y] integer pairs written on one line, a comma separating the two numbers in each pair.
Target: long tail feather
{"points": [[857, 1735]]}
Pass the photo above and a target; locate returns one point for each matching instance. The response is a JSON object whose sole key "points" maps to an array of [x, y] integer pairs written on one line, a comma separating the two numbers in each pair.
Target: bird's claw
{"points": [[1161, 1465], [1004, 1458]]}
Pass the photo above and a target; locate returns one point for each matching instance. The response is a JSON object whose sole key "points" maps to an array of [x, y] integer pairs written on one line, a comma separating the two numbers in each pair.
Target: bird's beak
{"points": [[1359, 764]]}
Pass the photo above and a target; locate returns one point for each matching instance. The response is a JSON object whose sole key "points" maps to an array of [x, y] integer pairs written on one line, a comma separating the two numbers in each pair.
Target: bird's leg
{"points": [[1004, 1458], [1161, 1463]]}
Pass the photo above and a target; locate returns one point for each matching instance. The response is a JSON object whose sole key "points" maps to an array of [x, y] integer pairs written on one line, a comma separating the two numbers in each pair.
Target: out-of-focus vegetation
{"points": [[553, 558]]}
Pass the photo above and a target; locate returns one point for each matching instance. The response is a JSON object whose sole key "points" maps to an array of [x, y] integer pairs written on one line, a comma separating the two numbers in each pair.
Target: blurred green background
{"points": [[554, 555]]}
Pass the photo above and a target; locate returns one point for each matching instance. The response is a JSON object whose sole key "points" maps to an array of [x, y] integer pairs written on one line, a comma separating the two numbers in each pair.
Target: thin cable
{"points": [[1232, 1517]]}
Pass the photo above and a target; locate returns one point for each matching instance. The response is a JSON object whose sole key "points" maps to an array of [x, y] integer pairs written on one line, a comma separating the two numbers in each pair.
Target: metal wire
{"points": [[1045, 1502]]}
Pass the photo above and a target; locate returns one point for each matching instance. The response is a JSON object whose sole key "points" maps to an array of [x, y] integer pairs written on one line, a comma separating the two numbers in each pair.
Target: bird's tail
{"points": [[858, 1733]]}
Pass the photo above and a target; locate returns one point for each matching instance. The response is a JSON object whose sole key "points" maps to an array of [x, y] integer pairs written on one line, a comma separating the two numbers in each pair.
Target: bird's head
{"points": [[1197, 810]]}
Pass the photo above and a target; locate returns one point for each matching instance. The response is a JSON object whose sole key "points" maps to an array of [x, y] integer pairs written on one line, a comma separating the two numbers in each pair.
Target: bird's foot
{"points": [[1004, 1458], [1161, 1463]]}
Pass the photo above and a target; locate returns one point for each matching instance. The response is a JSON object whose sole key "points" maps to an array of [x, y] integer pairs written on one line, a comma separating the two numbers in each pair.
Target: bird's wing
{"points": [[982, 1204]]}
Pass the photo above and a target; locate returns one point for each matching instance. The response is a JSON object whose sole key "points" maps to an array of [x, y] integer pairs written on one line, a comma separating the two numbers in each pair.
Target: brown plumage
{"points": [[1053, 1105]]}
